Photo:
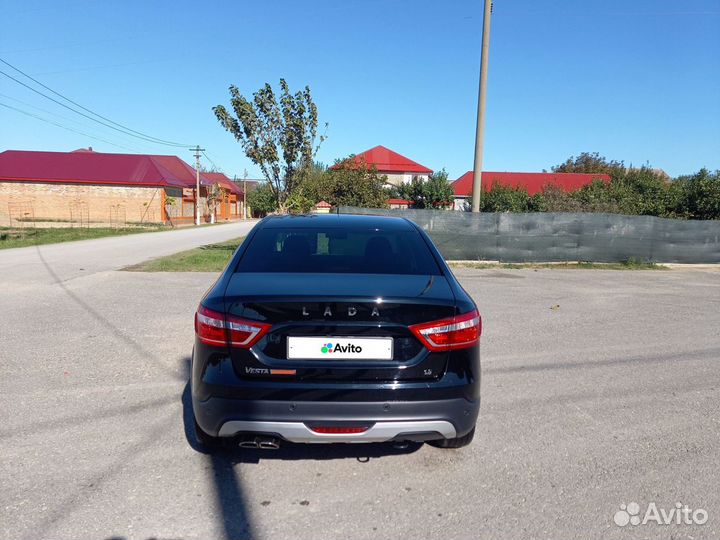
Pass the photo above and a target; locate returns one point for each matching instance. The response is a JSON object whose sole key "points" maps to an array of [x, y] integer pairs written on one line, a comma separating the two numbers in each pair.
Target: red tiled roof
{"points": [[398, 201], [223, 181], [387, 161], [96, 168], [323, 204], [532, 182]]}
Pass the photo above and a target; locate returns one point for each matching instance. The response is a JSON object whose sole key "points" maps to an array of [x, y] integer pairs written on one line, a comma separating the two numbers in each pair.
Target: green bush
{"points": [[435, 192], [507, 199], [554, 199], [637, 191], [698, 196], [262, 199], [633, 191], [597, 196], [299, 203]]}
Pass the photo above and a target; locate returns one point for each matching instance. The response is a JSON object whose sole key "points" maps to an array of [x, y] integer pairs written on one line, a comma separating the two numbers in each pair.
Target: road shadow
{"points": [[113, 329], [230, 498], [684, 356], [65, 422], [228, 489]]}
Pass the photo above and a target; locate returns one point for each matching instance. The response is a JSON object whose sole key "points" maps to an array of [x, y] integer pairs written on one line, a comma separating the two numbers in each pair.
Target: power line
{"points": [[21, 102], [211, 162], [81, 113], [37, 117], [65, 118], [119, 127], [162, 141]]}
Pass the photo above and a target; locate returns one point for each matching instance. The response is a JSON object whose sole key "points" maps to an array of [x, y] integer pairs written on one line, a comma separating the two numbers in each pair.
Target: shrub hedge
{"points": [[633, 191]]}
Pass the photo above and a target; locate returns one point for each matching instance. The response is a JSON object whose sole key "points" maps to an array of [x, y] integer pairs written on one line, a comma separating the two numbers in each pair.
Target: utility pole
{"points": [[197, 151], [245, 194], [480, 128], [235, 182]]}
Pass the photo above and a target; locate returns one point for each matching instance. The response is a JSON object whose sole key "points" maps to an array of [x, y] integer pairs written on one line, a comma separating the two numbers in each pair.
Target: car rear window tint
{"points": [[365, 251]]}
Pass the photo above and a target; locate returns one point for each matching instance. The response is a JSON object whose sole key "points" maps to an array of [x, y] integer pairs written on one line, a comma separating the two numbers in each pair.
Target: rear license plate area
{"points": [[339, 348]]}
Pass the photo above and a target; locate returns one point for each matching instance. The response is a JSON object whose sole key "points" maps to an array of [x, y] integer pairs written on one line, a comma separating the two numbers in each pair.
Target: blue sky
{"points": [[637, 81]]}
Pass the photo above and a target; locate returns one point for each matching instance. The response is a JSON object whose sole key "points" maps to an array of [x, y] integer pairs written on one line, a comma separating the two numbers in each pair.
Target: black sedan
{"points": [[336, 328]]}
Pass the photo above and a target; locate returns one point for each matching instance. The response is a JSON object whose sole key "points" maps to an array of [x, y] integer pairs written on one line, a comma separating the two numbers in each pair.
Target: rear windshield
{"points": [[364, 251]]}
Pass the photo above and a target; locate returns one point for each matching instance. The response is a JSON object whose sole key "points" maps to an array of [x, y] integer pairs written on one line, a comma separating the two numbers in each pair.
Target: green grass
{"points": [[210, 258], [35, 236], [630, 264]]}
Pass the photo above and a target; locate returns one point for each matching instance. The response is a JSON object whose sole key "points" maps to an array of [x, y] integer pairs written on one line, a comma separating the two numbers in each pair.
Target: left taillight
{"points": [[459, 332], [217, 329]]}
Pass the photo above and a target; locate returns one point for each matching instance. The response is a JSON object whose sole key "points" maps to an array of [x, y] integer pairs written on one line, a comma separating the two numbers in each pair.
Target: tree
{"points": [[307, 195], [631, 190], [435, 192], [588, 162], [213, 198], [438, 190], [170, 209], [278, 135], [699, 196], [347, 184]]}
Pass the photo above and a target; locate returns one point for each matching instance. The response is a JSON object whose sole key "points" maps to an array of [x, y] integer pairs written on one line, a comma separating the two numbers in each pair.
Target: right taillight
{"points": [[457, 332], [215, 328]]}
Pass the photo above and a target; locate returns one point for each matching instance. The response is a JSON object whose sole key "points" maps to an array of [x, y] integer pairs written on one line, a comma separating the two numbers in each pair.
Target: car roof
{"points": [[336, 221]]}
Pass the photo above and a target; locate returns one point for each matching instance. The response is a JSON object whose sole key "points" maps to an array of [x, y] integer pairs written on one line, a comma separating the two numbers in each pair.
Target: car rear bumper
{"points": [[299, 432], [391, 420]]}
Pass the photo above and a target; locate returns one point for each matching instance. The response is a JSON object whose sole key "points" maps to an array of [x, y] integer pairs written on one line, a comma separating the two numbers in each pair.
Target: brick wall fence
{"points": [[79, 202]]}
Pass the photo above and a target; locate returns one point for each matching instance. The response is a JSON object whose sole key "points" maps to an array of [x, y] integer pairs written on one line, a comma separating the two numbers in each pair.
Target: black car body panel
{"points": [[263, 384]]}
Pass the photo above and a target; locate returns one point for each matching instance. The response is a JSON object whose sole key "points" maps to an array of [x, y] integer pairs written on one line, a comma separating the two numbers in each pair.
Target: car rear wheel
{"points": [[208, 441], [457, 442]]}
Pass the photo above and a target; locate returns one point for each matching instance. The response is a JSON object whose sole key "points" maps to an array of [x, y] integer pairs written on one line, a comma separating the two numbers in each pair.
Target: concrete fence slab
{"points": [[534, 237]]}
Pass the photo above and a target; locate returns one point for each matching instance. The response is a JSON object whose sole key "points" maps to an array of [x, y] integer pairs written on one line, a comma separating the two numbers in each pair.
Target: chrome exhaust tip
{"points": [[263, 443], [268, 444]]}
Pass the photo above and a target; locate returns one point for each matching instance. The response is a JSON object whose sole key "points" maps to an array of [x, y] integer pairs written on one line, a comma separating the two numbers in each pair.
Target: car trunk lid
{"points": [[365, 306]]}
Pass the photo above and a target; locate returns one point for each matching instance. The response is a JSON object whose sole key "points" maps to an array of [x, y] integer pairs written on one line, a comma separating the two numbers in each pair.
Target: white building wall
{"points": [[459, 203], [397, 179]]}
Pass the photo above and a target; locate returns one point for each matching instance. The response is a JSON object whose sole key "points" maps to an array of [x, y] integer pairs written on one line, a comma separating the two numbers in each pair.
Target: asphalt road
{"points": [[52, 262], [600, 388]]}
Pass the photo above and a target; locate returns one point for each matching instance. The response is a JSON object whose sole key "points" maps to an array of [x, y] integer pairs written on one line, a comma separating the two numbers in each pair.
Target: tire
{"points": [[457, 442], [207, 441]]}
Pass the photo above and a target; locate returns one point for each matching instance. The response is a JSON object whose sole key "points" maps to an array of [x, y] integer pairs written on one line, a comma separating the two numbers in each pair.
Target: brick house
{"points": [[398, 169], [532, 182], [95, 187]]}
